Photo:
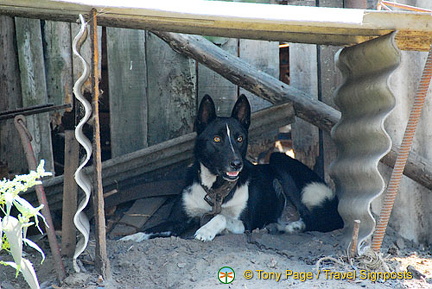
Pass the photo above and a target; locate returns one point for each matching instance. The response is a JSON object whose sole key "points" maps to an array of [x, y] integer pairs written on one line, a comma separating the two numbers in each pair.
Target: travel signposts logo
{"points": [[226, 275]]}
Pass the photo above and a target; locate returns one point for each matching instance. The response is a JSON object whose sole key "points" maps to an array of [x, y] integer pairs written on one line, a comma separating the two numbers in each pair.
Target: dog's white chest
{"points": [[193, 201]]}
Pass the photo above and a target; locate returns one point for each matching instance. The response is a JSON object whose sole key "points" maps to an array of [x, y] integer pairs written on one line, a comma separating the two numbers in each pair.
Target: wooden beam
{"points": [[330, 26]]}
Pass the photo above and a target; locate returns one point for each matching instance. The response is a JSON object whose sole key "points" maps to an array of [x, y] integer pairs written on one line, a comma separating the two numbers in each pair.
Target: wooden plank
{"points": [[137, 216], [127, 73], [171, 92], [33, 85], [304, 68], [11, 150], [329, 26], [264, 56], [304, 76], [223, 92], [58, 61], [147, 190], [70, 194], [160, 215]]}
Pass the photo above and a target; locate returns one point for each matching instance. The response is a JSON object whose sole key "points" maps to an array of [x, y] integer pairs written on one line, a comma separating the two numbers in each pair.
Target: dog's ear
{"points": [[242, 111], [206, 113]]}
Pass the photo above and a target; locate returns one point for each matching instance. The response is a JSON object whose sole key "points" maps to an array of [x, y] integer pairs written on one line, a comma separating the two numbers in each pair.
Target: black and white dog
{"points": [[224, 191]]}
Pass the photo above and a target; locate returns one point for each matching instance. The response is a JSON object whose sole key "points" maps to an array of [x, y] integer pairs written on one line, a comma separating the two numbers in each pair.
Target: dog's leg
{"points": [[235, 226], [211, 229]]}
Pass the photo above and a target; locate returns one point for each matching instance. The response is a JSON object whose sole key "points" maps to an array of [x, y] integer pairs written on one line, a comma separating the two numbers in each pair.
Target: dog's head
{"points": [[222, 142]]}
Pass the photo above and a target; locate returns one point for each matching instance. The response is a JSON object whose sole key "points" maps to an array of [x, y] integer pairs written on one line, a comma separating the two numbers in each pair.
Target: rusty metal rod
{"points": [[102, 261], [26, 138], [32, 110], [403, 154], [354, 238]]}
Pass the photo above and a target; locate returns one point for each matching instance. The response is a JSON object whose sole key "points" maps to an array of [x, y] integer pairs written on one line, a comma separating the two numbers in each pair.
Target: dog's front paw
{"points": [[205, 234], [211, 229]]}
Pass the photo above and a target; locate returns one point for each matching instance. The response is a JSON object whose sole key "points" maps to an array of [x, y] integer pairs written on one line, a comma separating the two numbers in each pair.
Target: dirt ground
{"points": [[259, 260]]}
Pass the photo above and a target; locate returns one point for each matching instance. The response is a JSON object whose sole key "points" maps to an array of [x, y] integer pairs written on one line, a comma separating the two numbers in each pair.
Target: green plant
{"points": [[13, 230]]}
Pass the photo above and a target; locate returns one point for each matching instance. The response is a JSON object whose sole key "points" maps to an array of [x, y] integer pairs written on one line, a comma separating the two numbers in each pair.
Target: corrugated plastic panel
{"points": [[365, 100]]}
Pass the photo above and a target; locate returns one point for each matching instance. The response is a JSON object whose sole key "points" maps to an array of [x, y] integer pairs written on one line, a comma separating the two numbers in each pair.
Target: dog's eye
{"points": [[240, 139], [217, 139]]}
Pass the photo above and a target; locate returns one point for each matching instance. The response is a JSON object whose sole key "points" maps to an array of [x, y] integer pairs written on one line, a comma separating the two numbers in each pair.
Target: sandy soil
{"points": [[187, 263]]}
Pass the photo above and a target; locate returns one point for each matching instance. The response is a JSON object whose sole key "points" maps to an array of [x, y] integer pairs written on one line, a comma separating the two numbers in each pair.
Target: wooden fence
{"points": [[150, 93]]}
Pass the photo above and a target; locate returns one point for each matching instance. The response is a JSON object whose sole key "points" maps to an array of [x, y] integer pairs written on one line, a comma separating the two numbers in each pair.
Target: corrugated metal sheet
{"points": [[365, 100]]}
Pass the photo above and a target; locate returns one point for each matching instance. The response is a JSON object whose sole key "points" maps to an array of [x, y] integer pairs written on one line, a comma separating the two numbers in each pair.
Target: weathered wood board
{"points": [[264, 56], [127, 71], [11, 150], [70, 194], [33, 85], [58, 61], [223, 92], [137, 216], [327, 26], [171, 91], [304, 76]]}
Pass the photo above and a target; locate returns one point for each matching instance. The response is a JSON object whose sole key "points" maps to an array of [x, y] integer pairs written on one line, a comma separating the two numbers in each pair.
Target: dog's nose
{"points": [[236, 164]]}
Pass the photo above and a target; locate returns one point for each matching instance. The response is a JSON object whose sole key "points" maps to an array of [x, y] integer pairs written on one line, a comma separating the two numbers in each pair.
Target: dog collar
{"points": [[215, 198]]}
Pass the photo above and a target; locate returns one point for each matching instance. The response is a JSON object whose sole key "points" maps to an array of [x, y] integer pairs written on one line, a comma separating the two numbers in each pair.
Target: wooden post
{"points": [[101, 257], [70, 190]]}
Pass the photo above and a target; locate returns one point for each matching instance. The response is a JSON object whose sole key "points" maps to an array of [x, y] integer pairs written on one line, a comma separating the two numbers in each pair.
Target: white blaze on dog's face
{"points": [[222, 142]]}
